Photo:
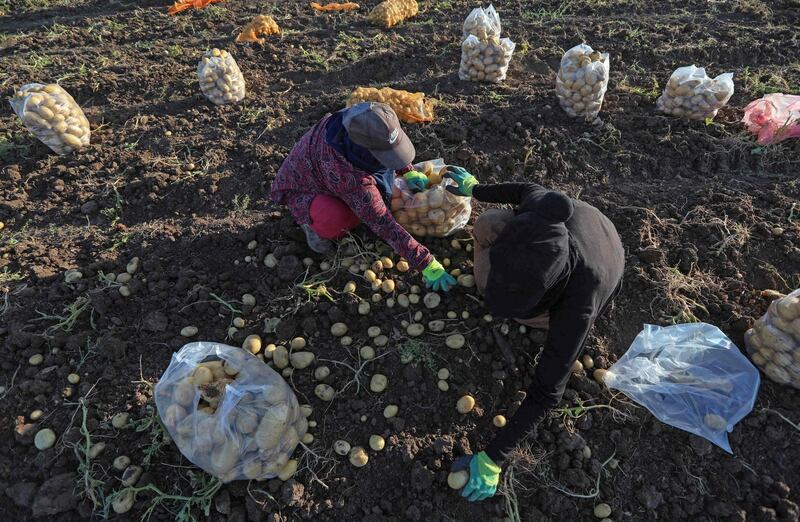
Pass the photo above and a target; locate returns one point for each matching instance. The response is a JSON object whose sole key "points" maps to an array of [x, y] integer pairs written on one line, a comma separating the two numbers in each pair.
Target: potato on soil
{"points": [[338, 329], [358, 457], [378, 383], [324, 392], [455, 341], [301, 360], [341, 447], [376, 442], [465, 404], [458, 479]]}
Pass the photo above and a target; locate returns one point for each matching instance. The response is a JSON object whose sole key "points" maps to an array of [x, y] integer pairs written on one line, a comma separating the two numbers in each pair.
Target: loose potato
{"points": [[465, 404], [301, 360], [358, 457], [458, 479], [378, 383]]}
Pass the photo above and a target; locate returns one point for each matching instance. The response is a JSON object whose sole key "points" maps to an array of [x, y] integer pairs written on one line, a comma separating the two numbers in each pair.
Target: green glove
{"points": [[484, 475], [465, 180], [416, 181], [437, 278]]}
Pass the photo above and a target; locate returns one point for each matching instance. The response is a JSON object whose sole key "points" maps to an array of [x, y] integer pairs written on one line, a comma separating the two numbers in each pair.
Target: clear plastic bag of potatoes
{"points": [[435, 212], [391, 12], [483, 23], [582, 82], [53, 116], [484, 56], [690, 93], [690, 376], [774, 341], [410, 107], [228, 412], [220, 78]]}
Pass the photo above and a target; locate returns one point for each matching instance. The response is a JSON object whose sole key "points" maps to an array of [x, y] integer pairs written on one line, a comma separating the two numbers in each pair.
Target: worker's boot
{"points": [[316, 243]]}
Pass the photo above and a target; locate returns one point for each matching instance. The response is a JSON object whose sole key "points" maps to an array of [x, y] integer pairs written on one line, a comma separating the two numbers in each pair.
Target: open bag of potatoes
{"points": [[228, 412], [774, 341], [434, 212], [690, 93], [582, 82], [391, 12], [53, 116], [410, 107], [484, 55], [220, 78]]}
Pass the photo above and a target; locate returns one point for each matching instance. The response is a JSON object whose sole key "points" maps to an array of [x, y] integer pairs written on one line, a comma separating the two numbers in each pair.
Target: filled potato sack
{"points": [[391, 12], [484, 55], [435, 212], [410, 107], [690, 93], [53, 116], [220, 78], [773, 342], [582, 82], [228, 412]]}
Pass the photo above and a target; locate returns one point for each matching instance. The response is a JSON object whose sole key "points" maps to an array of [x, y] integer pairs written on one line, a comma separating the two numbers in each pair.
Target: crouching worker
{"points": [[340, 174], [553, 263]]}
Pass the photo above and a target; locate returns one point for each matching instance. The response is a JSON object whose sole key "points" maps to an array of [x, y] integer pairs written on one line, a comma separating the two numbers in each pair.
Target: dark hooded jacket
{"points": [[559, 256]]}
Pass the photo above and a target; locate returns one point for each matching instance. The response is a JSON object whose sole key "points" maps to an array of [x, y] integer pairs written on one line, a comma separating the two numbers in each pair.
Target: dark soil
{"points": [[709, 220]]}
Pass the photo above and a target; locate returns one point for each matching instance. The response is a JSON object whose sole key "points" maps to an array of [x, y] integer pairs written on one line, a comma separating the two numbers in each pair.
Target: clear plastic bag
{"points": [[774, 341], [220, 78], [228, 412], [53, 116], [582, 81], [482, 23], [690, 93], [690, 376], [434, 212], [410, 107], [773, 118], [484, 56], [391, 12]]}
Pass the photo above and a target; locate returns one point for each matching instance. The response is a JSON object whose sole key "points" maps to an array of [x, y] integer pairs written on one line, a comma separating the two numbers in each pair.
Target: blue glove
{"points": [[484, 475], [464, 179], [416, 181], [437, 278]]}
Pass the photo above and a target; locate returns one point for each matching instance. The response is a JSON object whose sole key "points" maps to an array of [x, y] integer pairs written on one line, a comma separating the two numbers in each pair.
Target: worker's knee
{"points": [[490, 224], [331, 218]]}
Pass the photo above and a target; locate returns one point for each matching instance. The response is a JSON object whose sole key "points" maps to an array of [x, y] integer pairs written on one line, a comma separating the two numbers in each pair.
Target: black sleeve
{"points": [[570, 322], [512, 193]]}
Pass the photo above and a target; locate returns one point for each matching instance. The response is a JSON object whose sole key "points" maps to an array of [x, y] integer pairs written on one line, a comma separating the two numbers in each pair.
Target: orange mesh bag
{"points": [[183, 5], [391, 12], [260, 25], [348, 6], [411, 107]]}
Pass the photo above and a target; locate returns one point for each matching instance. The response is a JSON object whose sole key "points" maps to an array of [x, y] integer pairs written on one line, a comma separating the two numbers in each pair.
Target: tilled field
{"points": [[709, 220]]}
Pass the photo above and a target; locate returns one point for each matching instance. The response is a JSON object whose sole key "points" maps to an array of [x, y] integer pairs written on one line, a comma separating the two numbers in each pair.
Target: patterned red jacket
{"points": [[313, 167]]}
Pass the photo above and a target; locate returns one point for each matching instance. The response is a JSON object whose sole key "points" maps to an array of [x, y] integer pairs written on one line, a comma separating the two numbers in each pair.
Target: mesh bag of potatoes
{"points": [[391, 12], [774, 341], [228, 412], [582, 82], [435, 212], [484, 56], [220, 78], [53, 116], [690, 93], [410, 107]]}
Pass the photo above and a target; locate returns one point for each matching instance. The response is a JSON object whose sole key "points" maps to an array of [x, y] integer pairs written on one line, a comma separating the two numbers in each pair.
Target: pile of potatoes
{"points": [[484, 56], [391, 12], [411, 107], [53, 116], [582, 81], [774, 341], [220, 78], [434, 212], [690, 93], [229, 413]]}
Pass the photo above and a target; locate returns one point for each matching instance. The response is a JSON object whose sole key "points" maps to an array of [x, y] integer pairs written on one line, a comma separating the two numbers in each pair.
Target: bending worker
{"points": [[553, 263], [341, 173]]}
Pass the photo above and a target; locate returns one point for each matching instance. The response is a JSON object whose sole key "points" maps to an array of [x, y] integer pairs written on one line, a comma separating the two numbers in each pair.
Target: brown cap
{"points": [[375, 127]]}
